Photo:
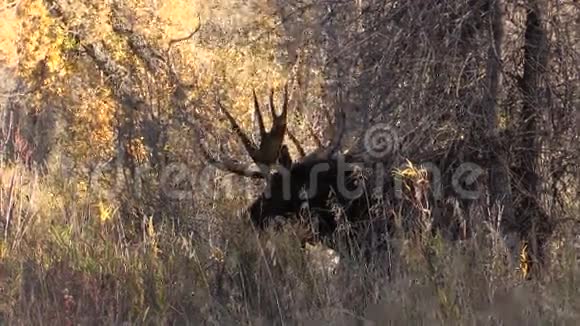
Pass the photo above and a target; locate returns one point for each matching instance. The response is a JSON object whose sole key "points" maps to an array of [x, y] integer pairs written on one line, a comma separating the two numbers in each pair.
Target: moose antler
{"points": [[268, 151], [323, 153], [271, 149], [222, 164]]}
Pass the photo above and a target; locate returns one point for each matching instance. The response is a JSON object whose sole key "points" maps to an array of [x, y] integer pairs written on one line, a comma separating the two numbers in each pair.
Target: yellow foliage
{"points": [[230, 67], [106, 212], [179, 17], [9, 36], [137, 150], [91, 129], [525, 265], [411, 173], [41, 40], [3, 250], [217, 255]]}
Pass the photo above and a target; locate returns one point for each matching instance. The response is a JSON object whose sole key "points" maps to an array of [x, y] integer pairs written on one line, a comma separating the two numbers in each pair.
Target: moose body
{"points": [[319, 192]]}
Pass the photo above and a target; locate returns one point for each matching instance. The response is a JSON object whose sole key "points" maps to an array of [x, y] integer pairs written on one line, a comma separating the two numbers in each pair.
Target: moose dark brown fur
{"points": [[313, 192]]}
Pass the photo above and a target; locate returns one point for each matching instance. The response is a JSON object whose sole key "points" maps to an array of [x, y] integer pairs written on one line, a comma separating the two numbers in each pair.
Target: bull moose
{"points": [[320, 188]]}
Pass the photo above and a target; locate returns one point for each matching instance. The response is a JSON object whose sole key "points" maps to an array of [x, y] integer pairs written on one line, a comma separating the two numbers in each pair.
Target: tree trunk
{"points": [[532, 222], [577, 153], [499, 182]]}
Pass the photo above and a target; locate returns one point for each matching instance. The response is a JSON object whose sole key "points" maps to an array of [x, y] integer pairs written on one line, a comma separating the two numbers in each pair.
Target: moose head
{"points": [[306, 187]]}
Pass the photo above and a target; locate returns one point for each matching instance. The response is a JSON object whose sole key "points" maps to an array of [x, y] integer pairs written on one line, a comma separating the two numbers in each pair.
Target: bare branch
{"points": [[188, 37]]}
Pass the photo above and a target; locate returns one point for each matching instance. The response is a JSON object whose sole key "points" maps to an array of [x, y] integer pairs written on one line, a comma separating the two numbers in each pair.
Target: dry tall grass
{"points": [[68, 259]]}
